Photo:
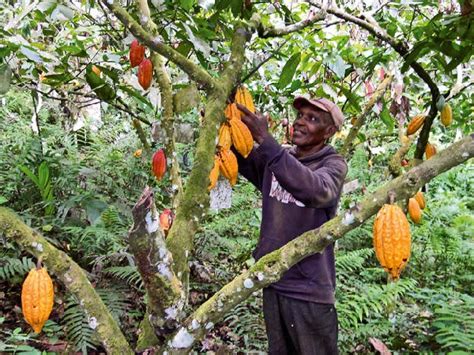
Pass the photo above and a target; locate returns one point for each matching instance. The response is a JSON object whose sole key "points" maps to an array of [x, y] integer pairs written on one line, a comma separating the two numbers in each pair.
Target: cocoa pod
{"points": [[415, 124], [228, 165], [241, 137], [232, 112], [420, 199], [158, 164], [145, 73], [414, 210], [243, 97], [225, 139], [446, 115], [166, 220], [214, 174], [137, 53], [392, 239], [37, 298], [430, 150]]}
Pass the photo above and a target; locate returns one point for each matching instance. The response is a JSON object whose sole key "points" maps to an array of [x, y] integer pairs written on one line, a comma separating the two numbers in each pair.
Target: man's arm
{"points": [[252, 167], [319, 188]]}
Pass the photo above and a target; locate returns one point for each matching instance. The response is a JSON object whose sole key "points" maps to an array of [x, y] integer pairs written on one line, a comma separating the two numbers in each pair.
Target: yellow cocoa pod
{"points": [[37, 298], [392, 239], [228, 165], [241, 137], [214, 174], [446, 115], [225, 140], [415, 124], [420, 199], [243, 97], [430, 150], [414, 210], [232, 112]]}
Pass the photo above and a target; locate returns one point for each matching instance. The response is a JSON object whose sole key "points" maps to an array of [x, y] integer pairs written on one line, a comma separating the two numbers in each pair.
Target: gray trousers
{"points": [[299, 327]]}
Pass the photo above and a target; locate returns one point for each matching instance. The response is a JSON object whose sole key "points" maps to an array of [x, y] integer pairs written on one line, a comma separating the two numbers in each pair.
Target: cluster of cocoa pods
{"points": [[145, 67], [235, 133]]}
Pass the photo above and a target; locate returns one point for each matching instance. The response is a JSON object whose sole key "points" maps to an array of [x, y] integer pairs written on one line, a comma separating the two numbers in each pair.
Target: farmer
{"points": [[300, 189]]}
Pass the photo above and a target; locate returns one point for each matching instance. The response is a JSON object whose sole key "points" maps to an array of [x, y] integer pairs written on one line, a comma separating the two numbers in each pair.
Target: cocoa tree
{"points": [[218, 47]]}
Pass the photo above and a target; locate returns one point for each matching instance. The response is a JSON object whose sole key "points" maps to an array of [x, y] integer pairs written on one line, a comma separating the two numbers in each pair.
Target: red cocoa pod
{"points": [[145, 73], [137, 53], [158, 164]]}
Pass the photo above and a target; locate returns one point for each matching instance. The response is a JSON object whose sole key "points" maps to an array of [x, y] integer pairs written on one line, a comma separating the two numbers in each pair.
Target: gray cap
{"points": [[322, 104]]}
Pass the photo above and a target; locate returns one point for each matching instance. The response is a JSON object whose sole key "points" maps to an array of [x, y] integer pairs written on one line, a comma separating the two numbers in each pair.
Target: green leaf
{"points": [[30, 174], [31, 54], [289, 70], [387, 118], [56, 80], [5, 78], [43, 175], [136, 95], [236, 7], [186, 4], [3, 199]]}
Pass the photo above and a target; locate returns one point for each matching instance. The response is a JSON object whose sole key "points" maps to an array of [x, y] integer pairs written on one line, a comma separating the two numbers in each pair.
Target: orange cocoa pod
{"points": [[430, 150], [145, 73], [392, 239], [420, 199], [225, 139], [137, 53], [414, 210], [241, 137], [166, 219], [415, 124], [37, 298], [214, 174], [243, 97], [158, 164], [232, 112], [228, 165]]}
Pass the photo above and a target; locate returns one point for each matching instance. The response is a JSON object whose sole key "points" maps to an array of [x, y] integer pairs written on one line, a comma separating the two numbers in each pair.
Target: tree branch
{"points": [[270, 267], [71, 275], [267, 32], [377, 94], [195, 72]]}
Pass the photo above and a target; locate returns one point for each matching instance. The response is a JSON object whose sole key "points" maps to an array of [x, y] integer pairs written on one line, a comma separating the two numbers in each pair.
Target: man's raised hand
{"points": [[256, 123]]}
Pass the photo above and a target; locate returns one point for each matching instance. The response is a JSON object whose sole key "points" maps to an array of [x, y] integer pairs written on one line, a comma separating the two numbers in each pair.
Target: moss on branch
{"points": [[71, 275]]}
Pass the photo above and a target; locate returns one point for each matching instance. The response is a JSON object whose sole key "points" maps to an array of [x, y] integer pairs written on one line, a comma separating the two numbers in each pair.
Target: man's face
{"points": [[312, 127]]}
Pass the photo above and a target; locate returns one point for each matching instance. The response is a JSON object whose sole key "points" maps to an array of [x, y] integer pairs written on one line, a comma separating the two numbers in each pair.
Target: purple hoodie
{"points": [[299, 194]]}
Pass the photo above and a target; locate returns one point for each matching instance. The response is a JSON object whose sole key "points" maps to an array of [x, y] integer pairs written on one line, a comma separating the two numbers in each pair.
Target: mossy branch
{"points": [[195, 72], [195, 201], [71, 275], [270, 267], [378, 93]]}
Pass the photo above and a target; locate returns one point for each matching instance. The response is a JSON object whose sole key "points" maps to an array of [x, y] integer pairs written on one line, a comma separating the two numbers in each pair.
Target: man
{"points": [[300, 189]]}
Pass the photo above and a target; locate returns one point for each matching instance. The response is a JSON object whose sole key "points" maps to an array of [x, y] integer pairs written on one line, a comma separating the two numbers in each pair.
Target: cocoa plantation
{"points": [[126, 222]]}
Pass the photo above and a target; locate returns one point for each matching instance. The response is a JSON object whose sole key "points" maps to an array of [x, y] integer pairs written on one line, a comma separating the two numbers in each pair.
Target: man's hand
{"points": [[256, 123]]}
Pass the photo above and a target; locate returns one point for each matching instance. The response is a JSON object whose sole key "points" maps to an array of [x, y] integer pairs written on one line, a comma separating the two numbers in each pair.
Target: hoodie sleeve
{"points": [[252, 167], [315, 188]]}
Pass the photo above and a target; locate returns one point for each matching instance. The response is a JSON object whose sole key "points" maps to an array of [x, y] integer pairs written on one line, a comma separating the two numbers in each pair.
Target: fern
{"points": [[13, 268], [77, 323], [77, 327], [353, 260], [369, 300], [127, 273], [454, 324]]}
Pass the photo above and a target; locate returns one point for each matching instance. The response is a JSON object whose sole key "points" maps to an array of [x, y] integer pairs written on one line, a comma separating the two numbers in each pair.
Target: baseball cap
{"points": [[322, 104]]}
